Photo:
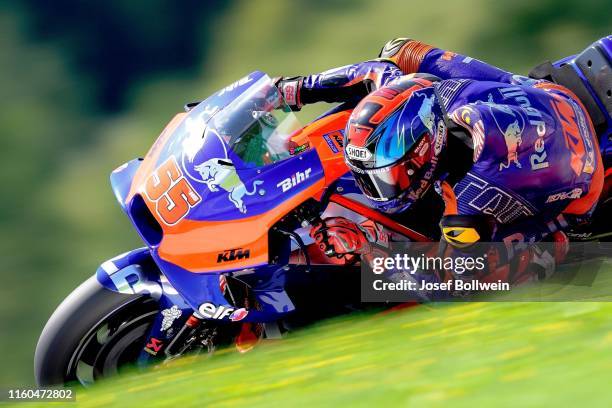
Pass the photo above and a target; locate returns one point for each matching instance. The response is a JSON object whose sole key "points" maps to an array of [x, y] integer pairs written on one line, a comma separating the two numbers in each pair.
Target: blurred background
{"points": [[87, 85]]}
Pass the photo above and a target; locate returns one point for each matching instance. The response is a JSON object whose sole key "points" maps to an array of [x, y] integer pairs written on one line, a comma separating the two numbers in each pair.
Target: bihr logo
{"points": [[233, 255], [297, 178]]}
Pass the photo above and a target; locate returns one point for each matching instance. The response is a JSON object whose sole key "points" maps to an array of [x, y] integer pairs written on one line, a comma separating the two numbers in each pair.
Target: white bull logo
{"points": [[221, 173], [513, 139], [512, 133]]}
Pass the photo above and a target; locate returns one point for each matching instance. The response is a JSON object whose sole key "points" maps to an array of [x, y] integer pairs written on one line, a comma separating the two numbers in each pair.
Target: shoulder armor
{"points": [[406, 53]]}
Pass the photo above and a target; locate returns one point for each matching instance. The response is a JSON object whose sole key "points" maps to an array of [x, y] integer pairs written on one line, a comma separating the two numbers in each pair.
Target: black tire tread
{"points": [[85, 307]]}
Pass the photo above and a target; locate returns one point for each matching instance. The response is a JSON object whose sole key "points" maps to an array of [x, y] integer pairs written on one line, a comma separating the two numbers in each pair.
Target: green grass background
{"points": [[469, 354], [58, 219], [508, 354]]}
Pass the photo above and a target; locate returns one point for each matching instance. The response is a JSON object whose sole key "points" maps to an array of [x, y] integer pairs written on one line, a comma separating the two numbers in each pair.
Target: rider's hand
{"points": [[561, 242], [338, 236], [289, 90]]}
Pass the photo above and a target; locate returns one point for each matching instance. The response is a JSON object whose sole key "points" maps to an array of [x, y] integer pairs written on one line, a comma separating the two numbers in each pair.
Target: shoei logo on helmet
{"points": [[358, 153]]}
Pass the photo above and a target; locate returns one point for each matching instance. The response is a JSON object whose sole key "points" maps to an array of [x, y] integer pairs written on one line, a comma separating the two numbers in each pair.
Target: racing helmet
{"points": [[393, 141]]}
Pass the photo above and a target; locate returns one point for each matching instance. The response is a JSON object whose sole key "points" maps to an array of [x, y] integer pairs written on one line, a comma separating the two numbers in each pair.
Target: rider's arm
{"points": [[461, 230], [398, 57], [512, 262], [414, 56], [343, 84]]}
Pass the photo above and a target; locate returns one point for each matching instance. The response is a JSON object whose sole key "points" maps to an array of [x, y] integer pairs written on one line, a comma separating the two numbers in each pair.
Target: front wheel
{"points": [[92, 334]]}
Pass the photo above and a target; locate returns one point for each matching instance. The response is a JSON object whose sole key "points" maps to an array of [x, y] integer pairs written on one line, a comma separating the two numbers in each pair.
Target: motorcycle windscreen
{"points": [[256, 126]]}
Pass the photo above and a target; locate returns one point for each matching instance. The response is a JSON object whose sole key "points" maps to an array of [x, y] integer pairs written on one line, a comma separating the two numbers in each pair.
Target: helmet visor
{"points": [[387, 183], [384, 183]]}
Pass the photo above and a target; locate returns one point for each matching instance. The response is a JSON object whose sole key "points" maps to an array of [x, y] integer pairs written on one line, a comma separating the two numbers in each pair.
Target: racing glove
{"points": [[290, 88], [342, 238]]}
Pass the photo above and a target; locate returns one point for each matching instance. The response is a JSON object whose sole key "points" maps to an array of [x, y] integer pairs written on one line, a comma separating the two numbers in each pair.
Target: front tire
{"points": [[91, 334]]}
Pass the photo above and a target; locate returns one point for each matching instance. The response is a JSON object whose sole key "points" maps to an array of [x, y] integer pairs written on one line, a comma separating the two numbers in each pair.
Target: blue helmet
{"points": [[393, 142]]}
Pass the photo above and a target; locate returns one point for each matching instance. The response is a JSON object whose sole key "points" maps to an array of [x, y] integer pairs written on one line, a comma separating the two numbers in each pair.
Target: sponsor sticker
{"points": [[169, 316], [335, 140], [239, 83], [211, 311], [358, 153], [299, 149], [233, 255], [565, 195], [294, 180], [154, 346], [331, 144], [239, 314]]}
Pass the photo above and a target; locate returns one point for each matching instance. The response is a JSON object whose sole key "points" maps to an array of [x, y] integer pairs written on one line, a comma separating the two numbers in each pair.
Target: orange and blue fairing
{"points": [[218, 178]]}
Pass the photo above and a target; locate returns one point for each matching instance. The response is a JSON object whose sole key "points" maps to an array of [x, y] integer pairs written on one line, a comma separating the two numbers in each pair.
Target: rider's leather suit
{"points": [[536, 167]]}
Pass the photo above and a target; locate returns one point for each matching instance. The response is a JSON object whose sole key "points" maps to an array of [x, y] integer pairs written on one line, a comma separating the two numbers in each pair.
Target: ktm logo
{"points": [[573, 140], [233, 255], [338, 138]]}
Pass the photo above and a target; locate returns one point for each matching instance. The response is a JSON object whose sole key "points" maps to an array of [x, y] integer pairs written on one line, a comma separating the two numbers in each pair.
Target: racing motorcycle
{"points": [[223, 201]]}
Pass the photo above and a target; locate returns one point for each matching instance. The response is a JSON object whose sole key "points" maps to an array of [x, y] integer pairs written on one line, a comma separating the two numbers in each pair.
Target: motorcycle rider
{"points": [[514, 159]]}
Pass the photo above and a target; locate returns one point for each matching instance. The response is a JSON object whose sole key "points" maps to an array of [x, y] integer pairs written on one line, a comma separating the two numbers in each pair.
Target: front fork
{"points": [[178, 322], [135, 272]]}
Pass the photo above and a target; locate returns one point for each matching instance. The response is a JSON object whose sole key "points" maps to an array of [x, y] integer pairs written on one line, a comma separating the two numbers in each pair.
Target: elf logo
{"points": [[210, 311], [358, 153], [294, 180], [233, 255]]}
